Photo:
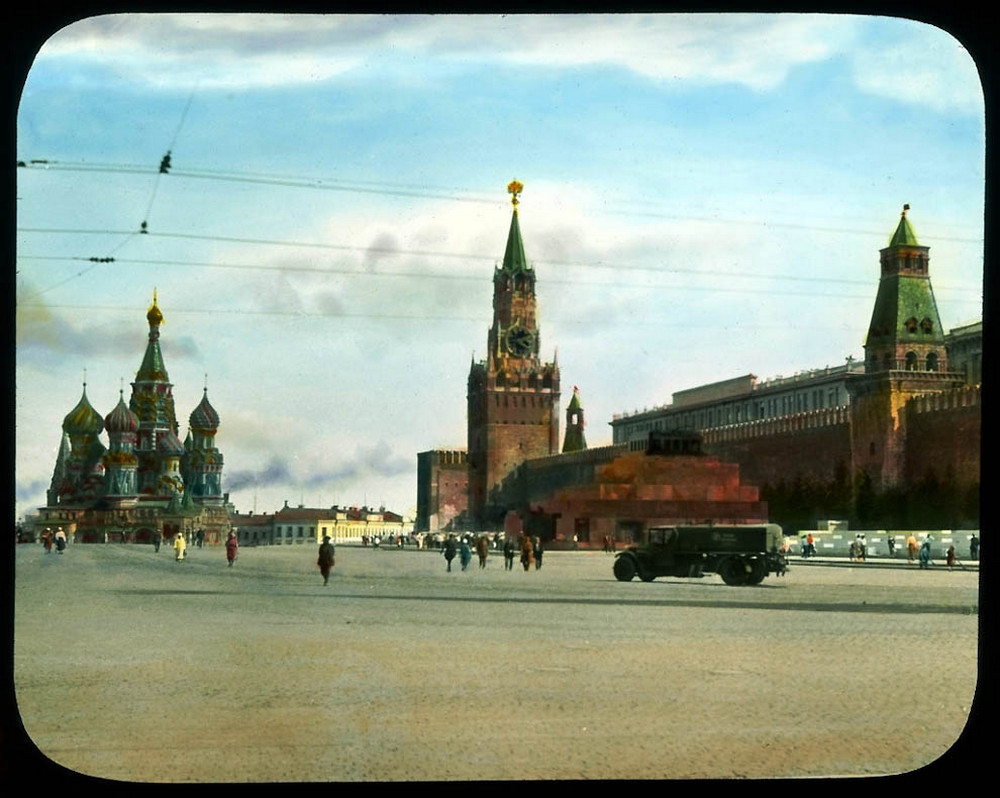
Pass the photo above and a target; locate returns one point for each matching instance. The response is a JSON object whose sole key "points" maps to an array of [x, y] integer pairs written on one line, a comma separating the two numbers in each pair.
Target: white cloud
{"points": [[271, 50]]}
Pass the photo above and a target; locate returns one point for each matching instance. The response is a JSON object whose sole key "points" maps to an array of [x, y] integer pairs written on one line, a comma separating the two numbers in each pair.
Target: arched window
{"points": [[911, 325], [927, 325], [911, 361], [932, 361]]}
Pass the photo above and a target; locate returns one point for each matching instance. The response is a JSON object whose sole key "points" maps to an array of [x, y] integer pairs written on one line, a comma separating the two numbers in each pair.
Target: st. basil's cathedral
{"points": [[146, 481]]}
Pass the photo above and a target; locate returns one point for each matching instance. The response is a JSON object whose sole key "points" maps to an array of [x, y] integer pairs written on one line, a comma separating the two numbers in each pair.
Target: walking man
{"points": [[157, 537], [179, 546], [450, 549], [508, 553], [326, 558]]}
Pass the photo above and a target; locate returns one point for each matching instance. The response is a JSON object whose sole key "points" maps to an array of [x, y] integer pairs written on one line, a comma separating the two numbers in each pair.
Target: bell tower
{"points": [[513, 396]]}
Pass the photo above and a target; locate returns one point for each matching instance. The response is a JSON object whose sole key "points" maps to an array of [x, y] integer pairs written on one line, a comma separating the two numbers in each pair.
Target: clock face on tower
{"points": [[519, 341]]}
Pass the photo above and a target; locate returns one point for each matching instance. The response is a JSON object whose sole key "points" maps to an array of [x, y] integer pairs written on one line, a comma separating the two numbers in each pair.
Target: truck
{"points": [[742, 554]]}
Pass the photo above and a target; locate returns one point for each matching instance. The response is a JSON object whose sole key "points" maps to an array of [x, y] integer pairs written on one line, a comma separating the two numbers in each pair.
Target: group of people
{"points": [[530, 548], [58, 540]]}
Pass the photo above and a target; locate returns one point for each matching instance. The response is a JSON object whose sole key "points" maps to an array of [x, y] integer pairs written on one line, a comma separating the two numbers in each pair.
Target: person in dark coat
{"points": [[465, 553], [508, 553], [539, 551], [974, 548], [450, 549], [326, 558], [925, 553], [157, 539], [232, 548]]}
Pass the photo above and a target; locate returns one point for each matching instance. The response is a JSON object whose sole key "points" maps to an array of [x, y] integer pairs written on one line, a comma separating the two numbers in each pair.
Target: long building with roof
{"points": [[146, 480]]}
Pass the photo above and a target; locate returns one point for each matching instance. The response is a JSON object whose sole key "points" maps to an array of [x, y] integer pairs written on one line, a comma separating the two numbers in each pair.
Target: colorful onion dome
{"points": [[121, 419], [204, 418], [83, 419], [170, 444]]}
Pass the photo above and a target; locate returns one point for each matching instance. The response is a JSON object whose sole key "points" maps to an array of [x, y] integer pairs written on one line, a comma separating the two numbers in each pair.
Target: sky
{"points": [[705, 196]]}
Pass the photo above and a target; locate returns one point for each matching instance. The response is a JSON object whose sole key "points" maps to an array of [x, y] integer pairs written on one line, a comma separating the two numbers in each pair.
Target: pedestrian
{"points": [[465, 553], [232, 548], [911, 548], [810, 545], [974, 548], [950, 556], [925, 553], [60, 540], [508, 553], [47, 540], [450, 549], [576, 542], [539, 551], [326, 559], [527, 552], [179, 546], [157, 538], [482, 549], [891, 543]]}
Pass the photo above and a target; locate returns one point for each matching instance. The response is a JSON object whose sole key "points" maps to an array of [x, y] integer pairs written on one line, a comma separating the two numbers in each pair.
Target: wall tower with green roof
{"points": [[905, 356]]}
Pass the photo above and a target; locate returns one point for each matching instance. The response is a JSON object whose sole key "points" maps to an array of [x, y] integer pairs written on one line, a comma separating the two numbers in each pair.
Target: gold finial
{"points": [[514, 189]]}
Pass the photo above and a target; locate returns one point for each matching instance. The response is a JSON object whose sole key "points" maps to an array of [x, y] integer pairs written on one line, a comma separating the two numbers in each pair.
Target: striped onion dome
{"points": [[204, 418], [170, 444], [83, 419], [121, 419]]}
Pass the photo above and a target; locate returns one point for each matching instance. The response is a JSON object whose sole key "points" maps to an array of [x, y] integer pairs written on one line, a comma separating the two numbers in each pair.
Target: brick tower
{"points": [[513, 397], [904, 356]]}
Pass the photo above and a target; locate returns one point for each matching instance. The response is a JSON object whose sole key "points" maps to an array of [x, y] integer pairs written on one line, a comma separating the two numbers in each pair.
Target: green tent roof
{"points": [[514, 259], [904, 235]]}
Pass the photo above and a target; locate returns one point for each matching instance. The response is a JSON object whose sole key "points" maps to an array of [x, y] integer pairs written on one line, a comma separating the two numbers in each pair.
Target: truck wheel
{"points": [[624, 569], [733, 572], [757, 572]]}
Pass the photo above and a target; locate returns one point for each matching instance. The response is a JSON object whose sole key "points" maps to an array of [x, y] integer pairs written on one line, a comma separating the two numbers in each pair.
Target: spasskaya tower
{"points": [[513, 397]]}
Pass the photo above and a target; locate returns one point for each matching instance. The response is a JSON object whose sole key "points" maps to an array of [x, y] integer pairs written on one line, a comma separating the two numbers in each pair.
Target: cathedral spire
{"points": [[152, 368]]}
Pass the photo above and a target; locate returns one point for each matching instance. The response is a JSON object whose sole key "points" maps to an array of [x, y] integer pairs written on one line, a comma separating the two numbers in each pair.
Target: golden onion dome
{"points": [[153, 315]]}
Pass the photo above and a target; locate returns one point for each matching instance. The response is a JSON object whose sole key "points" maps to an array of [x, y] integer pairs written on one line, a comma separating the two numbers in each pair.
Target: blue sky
{"points": [[704, 196]]}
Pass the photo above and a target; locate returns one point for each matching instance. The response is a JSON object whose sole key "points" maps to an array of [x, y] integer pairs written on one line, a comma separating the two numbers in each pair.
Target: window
{"points": [[932, 361], [927, 325], [911, 325], [911, 361]]}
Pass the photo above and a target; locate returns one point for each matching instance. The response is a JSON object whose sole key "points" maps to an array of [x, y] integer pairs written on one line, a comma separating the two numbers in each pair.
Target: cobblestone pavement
{"points": [[130, 666]]}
